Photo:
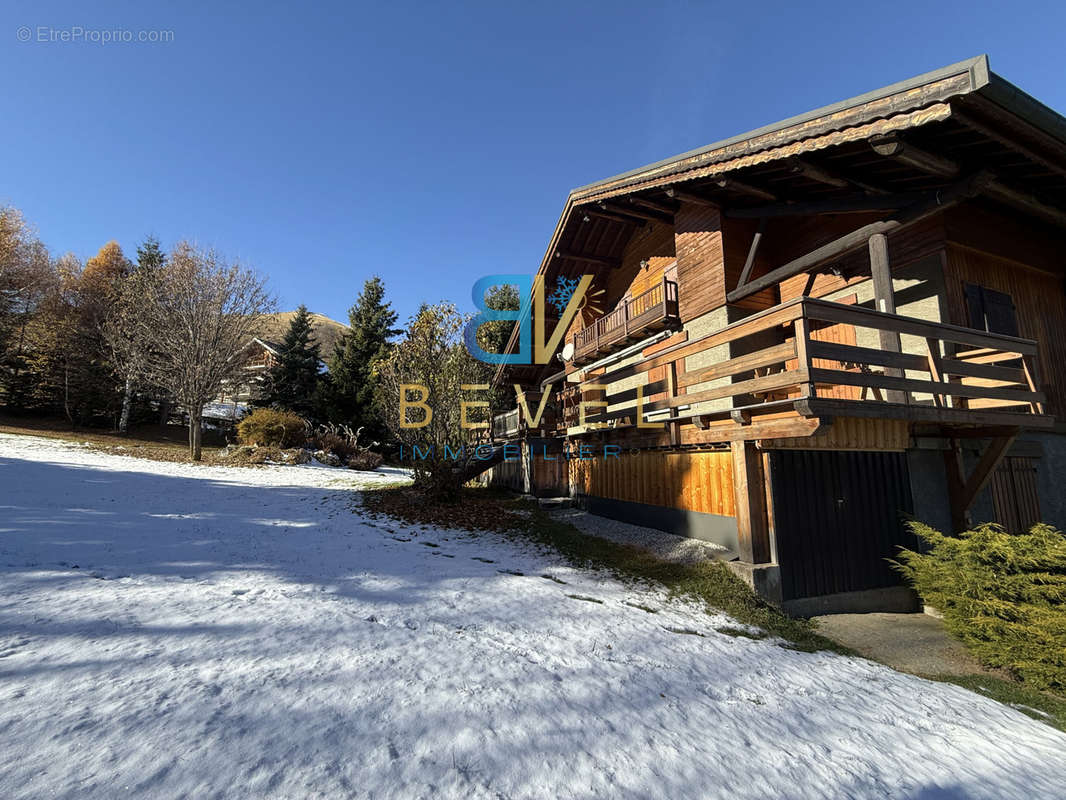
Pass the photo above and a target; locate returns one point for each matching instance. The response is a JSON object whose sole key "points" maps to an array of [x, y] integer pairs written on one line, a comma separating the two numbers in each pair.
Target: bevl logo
{"points": [[532, 348]]}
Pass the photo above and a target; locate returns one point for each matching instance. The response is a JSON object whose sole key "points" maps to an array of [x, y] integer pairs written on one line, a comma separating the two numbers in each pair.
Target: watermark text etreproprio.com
{"points": [[80, 34]]}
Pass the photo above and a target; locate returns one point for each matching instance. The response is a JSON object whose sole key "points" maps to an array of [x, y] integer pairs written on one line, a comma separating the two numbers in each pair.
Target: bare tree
{"points": [[126, 340], [195, 318]]}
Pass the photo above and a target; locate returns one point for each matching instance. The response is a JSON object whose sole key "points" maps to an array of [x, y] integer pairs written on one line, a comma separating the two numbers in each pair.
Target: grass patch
{"points": [[710, 583], [1039, 705], [158, 442], [740, 632]]}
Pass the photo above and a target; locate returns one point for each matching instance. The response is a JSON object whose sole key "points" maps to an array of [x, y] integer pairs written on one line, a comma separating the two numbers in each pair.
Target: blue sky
{"points": [[430, 143]]}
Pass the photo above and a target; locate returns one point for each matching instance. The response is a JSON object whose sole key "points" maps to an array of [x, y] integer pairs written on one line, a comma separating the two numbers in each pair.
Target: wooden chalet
{"points": [[261, 354], [848, 316]]}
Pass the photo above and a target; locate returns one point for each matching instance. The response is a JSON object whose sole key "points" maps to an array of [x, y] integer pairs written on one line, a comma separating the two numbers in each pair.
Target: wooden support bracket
{"points": [[963, 490]]}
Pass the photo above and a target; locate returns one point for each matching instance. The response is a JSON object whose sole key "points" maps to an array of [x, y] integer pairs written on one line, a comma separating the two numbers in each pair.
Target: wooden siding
{"points": [[905, 247], [653, 245], [1014, 494], [738, 236], [1040, 304], [689, 481], [850, 433], [700, 265]]}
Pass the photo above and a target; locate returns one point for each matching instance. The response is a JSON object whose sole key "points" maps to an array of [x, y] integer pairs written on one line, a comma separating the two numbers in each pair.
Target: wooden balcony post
{"points": [[753, 530], [885, 303], [803, 357]]}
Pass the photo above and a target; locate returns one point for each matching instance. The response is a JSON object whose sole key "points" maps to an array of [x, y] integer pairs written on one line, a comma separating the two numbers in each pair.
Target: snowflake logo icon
{"points": [[564, 292]]}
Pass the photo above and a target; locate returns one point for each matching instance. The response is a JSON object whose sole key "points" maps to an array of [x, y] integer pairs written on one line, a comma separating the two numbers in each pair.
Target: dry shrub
{"points": [[335, 443], [267, 427], [249, 455], [364, 460]]}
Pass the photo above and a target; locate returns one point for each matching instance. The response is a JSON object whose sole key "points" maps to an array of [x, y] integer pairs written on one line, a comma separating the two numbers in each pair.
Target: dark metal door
{"points": [[837, 518]]}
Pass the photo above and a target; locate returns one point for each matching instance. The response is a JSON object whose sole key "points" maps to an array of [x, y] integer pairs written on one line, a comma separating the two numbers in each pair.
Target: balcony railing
{"points": [[646, 313], [505, 426], [941, 373]]}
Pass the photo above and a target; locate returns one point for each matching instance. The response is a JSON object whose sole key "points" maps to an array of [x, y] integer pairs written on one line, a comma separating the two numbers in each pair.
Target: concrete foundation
{"points": [[764, 579], [898, 599]]}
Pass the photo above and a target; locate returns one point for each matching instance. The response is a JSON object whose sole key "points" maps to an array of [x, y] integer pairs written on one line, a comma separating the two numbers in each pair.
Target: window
{"points": [[990, 310]]}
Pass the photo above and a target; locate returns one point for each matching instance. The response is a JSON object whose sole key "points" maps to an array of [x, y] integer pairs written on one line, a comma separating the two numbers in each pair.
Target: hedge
{"points": [[1002, 594]]}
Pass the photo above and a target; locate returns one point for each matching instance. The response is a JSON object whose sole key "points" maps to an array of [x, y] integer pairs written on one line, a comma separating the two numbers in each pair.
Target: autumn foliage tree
{"points": [[421, 384], [27, 278]]}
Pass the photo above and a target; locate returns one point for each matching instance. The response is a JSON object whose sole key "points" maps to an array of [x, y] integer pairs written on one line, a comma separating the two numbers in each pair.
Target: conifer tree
{"points": [[350, 397], [292, 382], [150, 255]]}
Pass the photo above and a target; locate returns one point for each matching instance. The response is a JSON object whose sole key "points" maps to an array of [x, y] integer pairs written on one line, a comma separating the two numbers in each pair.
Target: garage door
{"points": [[837, 518]]}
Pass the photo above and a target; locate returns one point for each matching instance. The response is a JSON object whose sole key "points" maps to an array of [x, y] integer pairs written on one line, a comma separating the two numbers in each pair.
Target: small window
{"points": [[990, 310]]}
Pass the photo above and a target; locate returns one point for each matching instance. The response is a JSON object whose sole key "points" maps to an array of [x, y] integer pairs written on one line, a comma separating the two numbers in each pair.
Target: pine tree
{"points": [[292, 382], [150, 255], [350, 398]]}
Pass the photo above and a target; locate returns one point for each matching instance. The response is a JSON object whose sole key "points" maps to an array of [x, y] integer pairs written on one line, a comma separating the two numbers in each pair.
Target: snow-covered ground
{"points": [[177, 631]]}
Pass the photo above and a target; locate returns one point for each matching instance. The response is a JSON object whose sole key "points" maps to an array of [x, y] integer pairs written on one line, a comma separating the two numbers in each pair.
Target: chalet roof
{"points": [[971, 76], [958, 120], [959, 131]]}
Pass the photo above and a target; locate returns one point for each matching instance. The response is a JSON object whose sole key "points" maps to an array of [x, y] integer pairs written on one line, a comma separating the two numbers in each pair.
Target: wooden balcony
{"points": [[636, 318], [832, 359], [506, 425]]}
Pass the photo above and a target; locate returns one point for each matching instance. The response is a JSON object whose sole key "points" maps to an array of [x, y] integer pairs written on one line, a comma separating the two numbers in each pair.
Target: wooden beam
{"points": [[629, 211], [662, 208], [885, 303], [597, 260], [611, 215], [892, 145], [859, 237], [844, 205], [1013, 144], [750, 261], [1027, 202], [688, 197], [982, 473], [797, 166], [749, 479], [956, 480], [733, 185]]}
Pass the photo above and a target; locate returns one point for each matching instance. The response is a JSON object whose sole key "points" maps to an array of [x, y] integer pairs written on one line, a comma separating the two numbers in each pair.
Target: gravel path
{"points": [[666, 546]]}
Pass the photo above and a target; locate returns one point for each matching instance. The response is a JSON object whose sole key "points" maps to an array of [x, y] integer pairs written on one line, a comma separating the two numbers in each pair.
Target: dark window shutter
{"points": [[990, 310], [975, 306], [999, 313]]}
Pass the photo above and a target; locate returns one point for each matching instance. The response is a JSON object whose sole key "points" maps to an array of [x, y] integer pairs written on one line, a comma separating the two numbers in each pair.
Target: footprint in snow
{"points": [[685, 631], [239, 592], [642, 607], [510, 572], [484, 560], [553, 579], [586, 598]]}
